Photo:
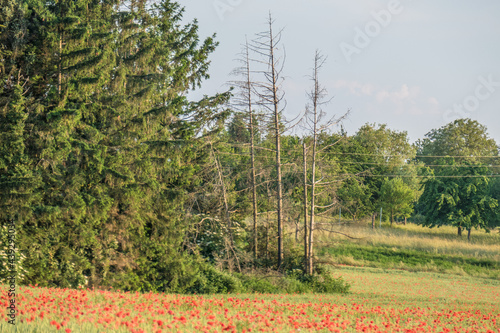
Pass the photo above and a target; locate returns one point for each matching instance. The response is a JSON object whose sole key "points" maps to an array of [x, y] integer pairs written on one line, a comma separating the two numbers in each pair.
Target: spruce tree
{"points": [[113, 140]]}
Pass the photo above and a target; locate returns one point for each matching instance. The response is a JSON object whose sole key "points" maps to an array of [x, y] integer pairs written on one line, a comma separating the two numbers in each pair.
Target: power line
{"points": [[433, 176], [381, 163], [370, 154], [403, 156], [424, 165]]}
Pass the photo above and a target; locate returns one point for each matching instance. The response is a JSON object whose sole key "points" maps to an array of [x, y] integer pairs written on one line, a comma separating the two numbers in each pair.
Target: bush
{"points": [[294, 282], [321, 282], [325, 283], [255, 284], [212, 281]]}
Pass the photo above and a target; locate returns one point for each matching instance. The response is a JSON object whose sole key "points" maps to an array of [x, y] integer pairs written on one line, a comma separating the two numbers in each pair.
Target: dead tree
{"points": [[244, 102], [229, 243], [304, 169], [316, 125], [270, 98]]}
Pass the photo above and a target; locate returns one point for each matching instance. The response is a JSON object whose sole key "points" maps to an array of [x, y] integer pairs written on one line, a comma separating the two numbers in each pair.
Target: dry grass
{"points": [[441, 241]]}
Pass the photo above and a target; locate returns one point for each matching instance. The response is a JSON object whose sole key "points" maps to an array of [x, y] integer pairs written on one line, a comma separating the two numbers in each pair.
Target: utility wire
{"points": [[379, 163], [430, 176], [369, 154]]}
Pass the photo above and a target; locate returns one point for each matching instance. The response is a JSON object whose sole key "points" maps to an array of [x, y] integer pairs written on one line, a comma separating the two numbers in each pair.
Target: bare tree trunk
{"points": [[373, 221], [267, 238], [244, 101], [311, 218], [468, 234], [315, 96], [313, 118], [254, 196], [270, 95], [459, 232], [230, 246], [59, 65], [277, 130], [306, 248], [297, 230], [252, 154], [224, 195], [267, 228], [279, 194]]}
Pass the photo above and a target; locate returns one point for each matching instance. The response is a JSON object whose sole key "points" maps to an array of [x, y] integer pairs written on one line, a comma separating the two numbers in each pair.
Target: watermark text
{"points": [[11, 280], [483, 91], [363, 36]]}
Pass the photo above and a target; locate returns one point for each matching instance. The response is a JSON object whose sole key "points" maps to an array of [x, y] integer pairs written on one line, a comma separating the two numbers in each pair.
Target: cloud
{"points": [[401, 100], [404, 93], [356, 88]]}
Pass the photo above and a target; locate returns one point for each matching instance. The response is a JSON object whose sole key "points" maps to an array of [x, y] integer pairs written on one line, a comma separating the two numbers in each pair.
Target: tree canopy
{"points": [[101, 140]]}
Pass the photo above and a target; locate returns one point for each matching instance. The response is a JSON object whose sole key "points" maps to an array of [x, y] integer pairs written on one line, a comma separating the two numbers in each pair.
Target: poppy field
{"points": [[380, 301]]}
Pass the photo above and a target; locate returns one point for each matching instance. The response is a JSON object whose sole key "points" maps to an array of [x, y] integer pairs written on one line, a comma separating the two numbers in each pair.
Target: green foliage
{"points": [[115, 178], [258, 284], [212, 281], [294, 282], [355, 196], [494, 192], [463, 202], [321, 282], [100, 146], [397, 198], [462, 137]]}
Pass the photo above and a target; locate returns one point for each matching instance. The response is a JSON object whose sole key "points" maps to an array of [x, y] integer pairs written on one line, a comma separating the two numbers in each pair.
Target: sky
{"points": [[413, 65]]}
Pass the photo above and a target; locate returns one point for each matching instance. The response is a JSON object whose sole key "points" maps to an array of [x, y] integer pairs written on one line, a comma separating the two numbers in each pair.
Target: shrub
{"points": [[321, 282], [327, 284], [212, 281], [255, 284]]}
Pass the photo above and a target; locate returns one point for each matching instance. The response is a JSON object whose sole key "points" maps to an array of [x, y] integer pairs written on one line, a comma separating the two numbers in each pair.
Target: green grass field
{"points": [[413, 248], [403, 279], [380, 301]]}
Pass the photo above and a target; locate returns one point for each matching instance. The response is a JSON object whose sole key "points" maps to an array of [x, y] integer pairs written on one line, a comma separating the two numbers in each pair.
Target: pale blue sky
{"points": [[418, 68]]}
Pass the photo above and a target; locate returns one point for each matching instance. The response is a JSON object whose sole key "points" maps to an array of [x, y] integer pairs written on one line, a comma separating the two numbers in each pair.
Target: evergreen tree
{"points": [[111, 136]]}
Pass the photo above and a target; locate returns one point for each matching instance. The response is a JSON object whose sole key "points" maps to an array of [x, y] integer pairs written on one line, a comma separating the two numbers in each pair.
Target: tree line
{"points": [[113, 177]]}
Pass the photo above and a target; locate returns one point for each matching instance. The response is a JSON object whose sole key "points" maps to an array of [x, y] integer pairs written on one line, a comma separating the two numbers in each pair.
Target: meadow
{"points": [[414, 248], [381, 299]]}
